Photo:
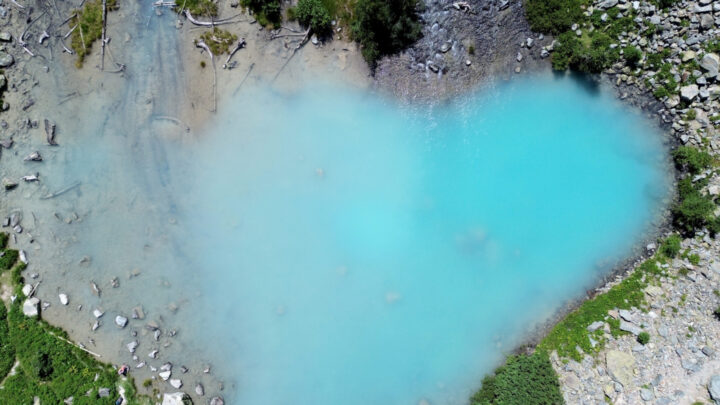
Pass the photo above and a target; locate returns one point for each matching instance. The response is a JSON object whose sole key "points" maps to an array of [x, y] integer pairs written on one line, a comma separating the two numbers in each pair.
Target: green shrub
{"points": [[8, 259], [553, 16], [384, 27], [3, 240], [521, 380], [694, 259], [89, 27], [643, 338], [570, 52], [313, 14], [671, 247], [692, 212], [632, 55], [7, 351], [218, 40], [691, 159], [206, 8], [267, 12]]}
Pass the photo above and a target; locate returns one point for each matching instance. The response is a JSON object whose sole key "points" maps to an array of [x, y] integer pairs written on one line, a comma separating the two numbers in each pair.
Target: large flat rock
{"points": [[620, 366]]}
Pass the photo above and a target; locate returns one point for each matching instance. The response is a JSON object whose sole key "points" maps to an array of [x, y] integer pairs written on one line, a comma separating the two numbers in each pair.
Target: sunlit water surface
{"points": [[331, 247]]}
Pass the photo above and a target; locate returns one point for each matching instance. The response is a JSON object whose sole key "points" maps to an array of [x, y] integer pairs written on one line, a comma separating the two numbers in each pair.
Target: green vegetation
{"points": [[206, 8], [717, 313], [632, 56], [694, 259], [89, 27], [693, 210], [384, 27], [267, 12], [314, 14], [553, 16], [49, 368], [671, 246], [8, 259], [218, 40], [691, 159], [643, 338], [522, 380]]}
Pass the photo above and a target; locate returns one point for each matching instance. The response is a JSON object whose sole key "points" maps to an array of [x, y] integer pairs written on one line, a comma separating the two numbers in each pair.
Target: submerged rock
{"points": [[121, 321]]}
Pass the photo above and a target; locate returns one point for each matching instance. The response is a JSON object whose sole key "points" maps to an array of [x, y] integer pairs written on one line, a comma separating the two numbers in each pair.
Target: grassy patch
{"points": [[219, 41], [8, 259], [206, 8], [572, 331], [522, 380], [49, 367], [89, 27]]}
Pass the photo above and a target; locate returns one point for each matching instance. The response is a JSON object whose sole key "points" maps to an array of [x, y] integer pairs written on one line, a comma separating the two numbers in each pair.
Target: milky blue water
{"points": [[349, 250]]}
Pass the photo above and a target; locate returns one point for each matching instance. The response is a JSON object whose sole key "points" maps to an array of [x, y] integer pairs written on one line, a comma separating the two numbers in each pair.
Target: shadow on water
{"points": [[588, 82]]}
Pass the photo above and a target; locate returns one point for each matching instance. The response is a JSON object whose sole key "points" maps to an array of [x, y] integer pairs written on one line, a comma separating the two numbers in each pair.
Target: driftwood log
{"points": [[238, 46], [50, 132], [103, 37]]}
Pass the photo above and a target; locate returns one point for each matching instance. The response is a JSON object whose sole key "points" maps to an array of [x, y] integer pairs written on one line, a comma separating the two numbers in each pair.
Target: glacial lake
{"points": [[328, 246]]}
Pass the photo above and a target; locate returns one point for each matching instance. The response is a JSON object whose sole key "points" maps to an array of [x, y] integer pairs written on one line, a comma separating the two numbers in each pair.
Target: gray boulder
{"points": [[605, 4], [714, 388], [31, 307], [710, 62], [620, 367], [688, 93], [6, 59]]}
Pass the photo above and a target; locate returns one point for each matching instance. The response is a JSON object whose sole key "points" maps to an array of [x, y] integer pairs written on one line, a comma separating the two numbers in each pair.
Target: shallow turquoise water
{"points": [[352, 251]]}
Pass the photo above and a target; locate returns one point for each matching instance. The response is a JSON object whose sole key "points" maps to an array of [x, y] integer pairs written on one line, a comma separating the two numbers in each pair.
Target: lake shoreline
{"points": [[405, 84]]}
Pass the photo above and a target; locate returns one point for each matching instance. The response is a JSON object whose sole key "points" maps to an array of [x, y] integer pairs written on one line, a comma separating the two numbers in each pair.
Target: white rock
{"points": [[175, 398], [63, 299], [199, 390], [27, 289], [23, 257], [98, 313], [31, 307], [165, 374], [121, 321], [176, 383], [132, 346]]}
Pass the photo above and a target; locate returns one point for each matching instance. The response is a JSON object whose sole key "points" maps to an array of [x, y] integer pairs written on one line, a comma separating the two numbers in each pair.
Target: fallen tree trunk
{"points": [[103, 38], [239, 46], [208, 23], [297, 48]]}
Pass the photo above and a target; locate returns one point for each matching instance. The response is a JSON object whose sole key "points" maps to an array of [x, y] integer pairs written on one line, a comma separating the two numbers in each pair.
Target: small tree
{"points": [[313, 14], [671, 246], [632, 55], [643, 338]]}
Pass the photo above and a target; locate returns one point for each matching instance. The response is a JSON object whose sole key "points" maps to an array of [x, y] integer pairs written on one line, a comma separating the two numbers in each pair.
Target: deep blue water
{"points": [[353, 251]]}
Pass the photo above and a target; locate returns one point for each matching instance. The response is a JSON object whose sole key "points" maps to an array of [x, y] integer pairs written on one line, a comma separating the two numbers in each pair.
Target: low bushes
{"points": [[314, 14], [671, 247], [89, 27], [384, 27], [267, 12], [522, 380], [692, 160], [643, 338], [218, 40]]}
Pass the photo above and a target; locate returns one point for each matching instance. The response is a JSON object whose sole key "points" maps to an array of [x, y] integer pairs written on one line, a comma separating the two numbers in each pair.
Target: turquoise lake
{"points": [[357, 252], [329, 246]]}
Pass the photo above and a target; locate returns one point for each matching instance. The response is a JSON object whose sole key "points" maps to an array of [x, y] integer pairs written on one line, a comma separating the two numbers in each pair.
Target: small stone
{"points": [[153, 354], [688, 93], [121, 321], [199, 390], [219, 400], [6, 59], [165, 374], [98, 313], [595, 326], [27, 290], [104, 392], [63, 299], [5, 36], [132, 346], [519, 57], [176, 382], [646, 394]]}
